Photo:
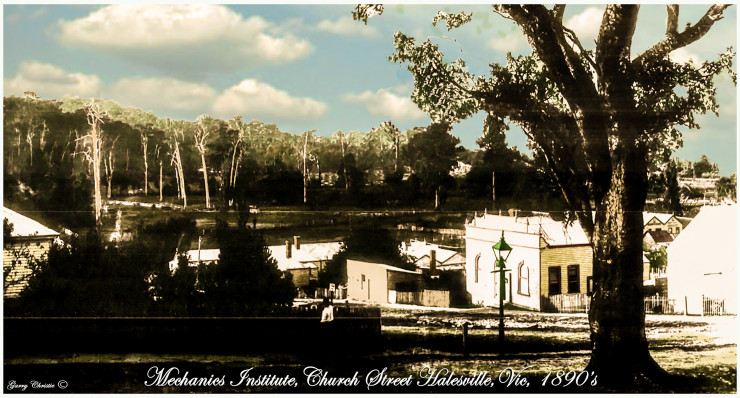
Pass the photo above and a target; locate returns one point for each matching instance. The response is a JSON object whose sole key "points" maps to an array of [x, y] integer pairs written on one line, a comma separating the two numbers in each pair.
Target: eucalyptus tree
{"points": [[596, 117], [203, 128], [237, 125], [90, 148], [175, 130]]}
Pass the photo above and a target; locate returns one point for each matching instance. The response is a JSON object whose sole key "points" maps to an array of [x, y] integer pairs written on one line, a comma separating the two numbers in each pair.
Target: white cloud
{"points": [[162, 93], [254, 99], [386, 103], [586, 24], [347, 26], [168, 35], [50, 81], [512, 42], [682, 56]]}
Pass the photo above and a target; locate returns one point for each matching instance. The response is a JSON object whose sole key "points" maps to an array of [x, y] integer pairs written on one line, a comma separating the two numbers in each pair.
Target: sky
{"points": [[302, 67]]}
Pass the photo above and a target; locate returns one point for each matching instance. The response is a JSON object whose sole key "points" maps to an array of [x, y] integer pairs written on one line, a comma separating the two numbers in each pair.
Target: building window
{"points": [[554, 281], [362, 282], [574, 280], [477, 267], [523, 279]]}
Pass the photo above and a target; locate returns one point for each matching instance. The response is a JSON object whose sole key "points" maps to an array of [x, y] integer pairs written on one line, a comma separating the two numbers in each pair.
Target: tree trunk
{"points": [[96, 175], [493, 188], [305, 146], [144, 144], [617, 313], [177, 182], [205, 179], [160, 180]]}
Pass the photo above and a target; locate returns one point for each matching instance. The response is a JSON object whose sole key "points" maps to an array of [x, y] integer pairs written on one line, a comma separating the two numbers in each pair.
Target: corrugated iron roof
{"points": [[26, 227], [555, 233], [660, 236]]}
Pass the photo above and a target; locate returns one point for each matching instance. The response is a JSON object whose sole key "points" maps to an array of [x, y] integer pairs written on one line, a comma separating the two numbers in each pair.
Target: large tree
{"points": [[433, 156], [596, 117]]}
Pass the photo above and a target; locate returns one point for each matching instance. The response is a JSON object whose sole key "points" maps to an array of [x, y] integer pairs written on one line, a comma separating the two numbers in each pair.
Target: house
{"points": [[379, 283], [657, 238], [421, 254], [205, 256], [29, 240], [303, 261], [662, 222], [549, 258], [702, 263]]}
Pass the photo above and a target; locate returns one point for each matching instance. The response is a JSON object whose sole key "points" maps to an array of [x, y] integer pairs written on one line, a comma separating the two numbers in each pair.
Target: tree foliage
{"points": [[596, 118]]}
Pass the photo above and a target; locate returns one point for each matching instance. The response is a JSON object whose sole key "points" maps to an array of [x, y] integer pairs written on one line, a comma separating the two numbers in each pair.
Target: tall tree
{"points": [[202, 130], [595, 116], [92, 143], [144, 146], [433, 154]]}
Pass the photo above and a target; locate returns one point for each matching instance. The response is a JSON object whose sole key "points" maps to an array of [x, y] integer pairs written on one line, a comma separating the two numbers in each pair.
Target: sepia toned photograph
{"points": [[367, 198]]}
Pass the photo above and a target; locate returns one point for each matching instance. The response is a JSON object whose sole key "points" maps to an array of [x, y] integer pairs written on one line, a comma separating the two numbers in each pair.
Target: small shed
{"points": [[375, 282]]}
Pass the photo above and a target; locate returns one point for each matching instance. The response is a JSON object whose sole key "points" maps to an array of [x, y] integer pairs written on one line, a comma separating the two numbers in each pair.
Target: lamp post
{"points": [[501, 251]]}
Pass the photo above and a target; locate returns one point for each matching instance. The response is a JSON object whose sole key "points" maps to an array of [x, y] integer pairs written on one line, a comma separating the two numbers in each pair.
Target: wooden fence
{"points": [[427, 298], [712, 306], [571, 303], [659, 304]]}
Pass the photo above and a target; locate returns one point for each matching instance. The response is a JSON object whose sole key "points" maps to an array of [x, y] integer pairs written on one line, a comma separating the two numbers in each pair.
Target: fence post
{"points": [[465, 339], [685, 305]]}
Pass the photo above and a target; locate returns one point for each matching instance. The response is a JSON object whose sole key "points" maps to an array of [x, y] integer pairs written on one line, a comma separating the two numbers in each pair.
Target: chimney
{"points": [[433, 262], [297, 240], [288, 250]]}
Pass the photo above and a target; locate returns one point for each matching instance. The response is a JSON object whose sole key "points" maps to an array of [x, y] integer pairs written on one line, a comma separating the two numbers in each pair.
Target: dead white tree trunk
{"points": [[200, 135], [144, 145], [179, 175], [108, 165], [95, 118], [160, 180]]}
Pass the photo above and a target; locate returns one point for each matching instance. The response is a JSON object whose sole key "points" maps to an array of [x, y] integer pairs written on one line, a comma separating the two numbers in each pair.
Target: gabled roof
{"points": [[660, 236], [308, 254], [26, 227], [662, 217], [418, 250]]}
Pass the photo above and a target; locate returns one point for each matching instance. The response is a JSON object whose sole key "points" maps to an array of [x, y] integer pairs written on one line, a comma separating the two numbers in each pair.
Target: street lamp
{"points": [[501, 251]]}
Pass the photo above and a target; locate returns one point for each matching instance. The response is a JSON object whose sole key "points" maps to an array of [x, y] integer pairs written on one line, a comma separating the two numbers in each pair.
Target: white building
{"points": [[549, 258], [702, 261], [420, 253]]}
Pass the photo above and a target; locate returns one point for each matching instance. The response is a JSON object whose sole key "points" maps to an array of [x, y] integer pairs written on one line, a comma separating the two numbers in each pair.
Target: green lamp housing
{"points": [[501, 251]]}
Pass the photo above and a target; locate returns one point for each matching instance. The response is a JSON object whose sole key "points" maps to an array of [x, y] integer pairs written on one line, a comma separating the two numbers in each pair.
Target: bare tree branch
{"points": [[671, 27], [677, 40]]}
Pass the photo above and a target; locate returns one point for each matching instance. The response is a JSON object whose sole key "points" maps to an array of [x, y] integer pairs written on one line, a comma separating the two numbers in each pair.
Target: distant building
{"points": [[662, 222], [379, 283], [29, 240], [205, 256], [460, 169], [657, 238], [702, 262], [549, 258], [303, 261], [420, 253]]}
